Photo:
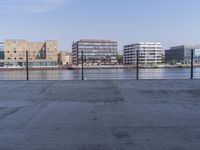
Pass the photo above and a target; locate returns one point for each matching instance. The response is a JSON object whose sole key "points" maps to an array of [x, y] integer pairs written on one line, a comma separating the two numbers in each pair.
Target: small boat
{"points": [[71, 67]]}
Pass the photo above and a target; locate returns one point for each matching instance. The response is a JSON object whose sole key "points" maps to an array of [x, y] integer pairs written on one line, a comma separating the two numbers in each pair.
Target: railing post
{"points": [[137, 66], [82, 69], [27, 66], [192, 64]]}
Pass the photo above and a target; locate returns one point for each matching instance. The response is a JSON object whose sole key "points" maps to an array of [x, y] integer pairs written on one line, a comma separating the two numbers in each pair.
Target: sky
{"points": [[171, 22]]}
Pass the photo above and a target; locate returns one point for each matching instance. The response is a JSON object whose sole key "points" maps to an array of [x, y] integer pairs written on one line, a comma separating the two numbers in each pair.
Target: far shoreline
{"points": [[98, 67]]}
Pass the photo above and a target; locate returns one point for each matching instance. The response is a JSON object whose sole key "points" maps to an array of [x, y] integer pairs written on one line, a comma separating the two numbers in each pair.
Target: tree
{"points": [[120, 59]]}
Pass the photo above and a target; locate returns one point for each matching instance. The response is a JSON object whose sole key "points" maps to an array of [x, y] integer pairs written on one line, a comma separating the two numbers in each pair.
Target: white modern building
{"points": [[149, 52]]}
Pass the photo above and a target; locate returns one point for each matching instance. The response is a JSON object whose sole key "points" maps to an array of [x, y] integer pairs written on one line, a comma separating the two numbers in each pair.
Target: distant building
{"points": [[39, 53], [96, 52], [1, 54], [182, 54], [1, 50], [64, 58], [148, 53]]}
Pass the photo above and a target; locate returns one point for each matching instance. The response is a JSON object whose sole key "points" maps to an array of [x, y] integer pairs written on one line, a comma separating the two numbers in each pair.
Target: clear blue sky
{"points": [[171, 22]]}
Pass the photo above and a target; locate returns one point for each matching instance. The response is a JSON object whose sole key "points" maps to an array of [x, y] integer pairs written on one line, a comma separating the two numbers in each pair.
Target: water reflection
{"points": [[95, 74]]}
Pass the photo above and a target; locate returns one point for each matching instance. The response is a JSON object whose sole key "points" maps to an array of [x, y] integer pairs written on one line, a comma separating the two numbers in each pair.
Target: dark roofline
{"points": [[186, 46], [96, 40]]}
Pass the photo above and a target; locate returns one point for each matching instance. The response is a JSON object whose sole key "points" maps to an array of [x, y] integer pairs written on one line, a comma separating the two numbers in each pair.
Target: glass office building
{"points": [[1, 50], [95, 52], [182, 54]]}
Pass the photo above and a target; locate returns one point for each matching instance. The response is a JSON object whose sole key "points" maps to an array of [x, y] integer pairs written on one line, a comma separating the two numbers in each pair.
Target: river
{"points": [[101, 74]]}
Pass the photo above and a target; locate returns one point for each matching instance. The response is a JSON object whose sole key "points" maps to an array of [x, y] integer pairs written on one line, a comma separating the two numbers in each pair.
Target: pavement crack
{"points": [[10, 112], [43, 90]]}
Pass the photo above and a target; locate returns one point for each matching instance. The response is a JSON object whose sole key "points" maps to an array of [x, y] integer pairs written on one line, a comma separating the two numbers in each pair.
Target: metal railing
{"points": [[137, 72]]}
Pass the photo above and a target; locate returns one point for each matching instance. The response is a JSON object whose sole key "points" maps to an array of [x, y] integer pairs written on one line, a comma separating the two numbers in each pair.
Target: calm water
{"points": [[164, 73]]}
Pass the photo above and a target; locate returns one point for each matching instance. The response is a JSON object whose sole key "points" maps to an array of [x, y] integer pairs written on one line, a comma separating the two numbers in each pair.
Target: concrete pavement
{"points": [[100, 115]]}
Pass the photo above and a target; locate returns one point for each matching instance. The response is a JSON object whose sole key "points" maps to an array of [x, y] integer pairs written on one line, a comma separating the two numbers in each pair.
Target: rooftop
{"points": [[100, 115], [186, 46], [144, 43]]}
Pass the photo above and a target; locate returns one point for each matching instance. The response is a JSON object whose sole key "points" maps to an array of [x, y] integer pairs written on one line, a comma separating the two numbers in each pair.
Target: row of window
{"points": [[98, 44], [98, 47], [97, 57]]}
